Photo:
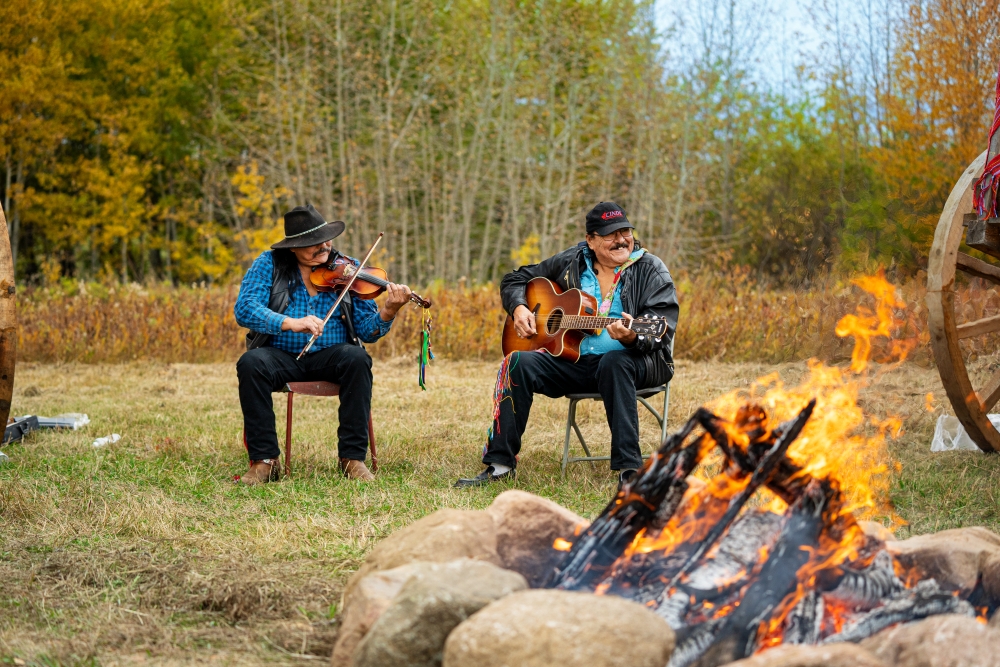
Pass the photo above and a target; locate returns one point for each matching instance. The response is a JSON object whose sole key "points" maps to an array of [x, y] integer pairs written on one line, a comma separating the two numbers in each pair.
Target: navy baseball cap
{"points": [[607, 218]]}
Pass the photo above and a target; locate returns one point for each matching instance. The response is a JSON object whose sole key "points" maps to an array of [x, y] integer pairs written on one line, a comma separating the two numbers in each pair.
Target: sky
{"points": [[785, 32]]}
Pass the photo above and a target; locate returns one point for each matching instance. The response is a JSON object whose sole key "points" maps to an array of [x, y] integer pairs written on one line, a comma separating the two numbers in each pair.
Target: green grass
{"points": [[145, 551]]}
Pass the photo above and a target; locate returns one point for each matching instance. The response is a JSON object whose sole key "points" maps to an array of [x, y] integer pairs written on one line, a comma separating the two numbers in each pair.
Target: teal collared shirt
{"points": [[602, 343]]}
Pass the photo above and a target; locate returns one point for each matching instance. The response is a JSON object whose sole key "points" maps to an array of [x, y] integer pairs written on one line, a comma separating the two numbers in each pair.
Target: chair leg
{"points": [[583, 443], [288, 437], [570, 423], [663, 424], [371, 443]]}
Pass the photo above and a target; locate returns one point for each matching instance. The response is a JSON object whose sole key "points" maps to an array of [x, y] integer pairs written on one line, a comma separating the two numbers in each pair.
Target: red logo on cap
{"points": [[611, 214]]}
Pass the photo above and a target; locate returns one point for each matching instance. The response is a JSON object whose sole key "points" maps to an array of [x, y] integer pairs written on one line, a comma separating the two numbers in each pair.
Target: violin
{"points": [[370, 282]]}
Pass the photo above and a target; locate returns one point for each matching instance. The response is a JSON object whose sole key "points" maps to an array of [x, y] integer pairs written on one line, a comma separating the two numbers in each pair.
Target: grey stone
{"points": [[527, 525], [412, 631], [955, 558], [436, 538], [366, 602], [949, 640], [831, 655], [541, 628]]}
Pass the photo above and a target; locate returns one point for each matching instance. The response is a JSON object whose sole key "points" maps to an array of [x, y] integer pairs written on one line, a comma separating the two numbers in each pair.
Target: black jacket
{"points": [[646, 289]]}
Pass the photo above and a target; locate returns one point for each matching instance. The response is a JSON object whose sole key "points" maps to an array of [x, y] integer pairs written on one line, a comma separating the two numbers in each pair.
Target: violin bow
{"points": [[347, 288]]}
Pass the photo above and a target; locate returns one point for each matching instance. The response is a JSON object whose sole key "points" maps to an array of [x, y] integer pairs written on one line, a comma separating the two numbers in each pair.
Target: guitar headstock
{"points": [[654, 327]]}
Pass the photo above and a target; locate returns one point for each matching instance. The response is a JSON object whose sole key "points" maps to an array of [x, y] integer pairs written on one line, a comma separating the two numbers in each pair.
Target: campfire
{"points": [[763, 547]]}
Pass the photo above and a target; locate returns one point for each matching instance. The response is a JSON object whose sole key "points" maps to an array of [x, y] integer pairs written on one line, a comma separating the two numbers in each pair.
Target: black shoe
{"points": [[487, 476], [625, 477]]}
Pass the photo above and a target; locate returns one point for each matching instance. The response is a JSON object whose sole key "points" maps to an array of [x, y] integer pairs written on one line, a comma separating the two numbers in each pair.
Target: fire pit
{"points": [[731, 580]]}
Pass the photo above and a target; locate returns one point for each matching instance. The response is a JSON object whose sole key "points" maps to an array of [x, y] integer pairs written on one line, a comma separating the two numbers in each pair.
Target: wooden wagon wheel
{"points": [[971, 405], [8, 322]]}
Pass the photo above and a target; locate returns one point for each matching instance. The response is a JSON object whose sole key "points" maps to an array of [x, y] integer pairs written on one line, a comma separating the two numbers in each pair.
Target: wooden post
{"points": [[8, 321]]}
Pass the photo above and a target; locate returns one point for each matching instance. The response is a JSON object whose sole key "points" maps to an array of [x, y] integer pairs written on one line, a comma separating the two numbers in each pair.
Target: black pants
{"points": [[614, 375], [268, 369]]}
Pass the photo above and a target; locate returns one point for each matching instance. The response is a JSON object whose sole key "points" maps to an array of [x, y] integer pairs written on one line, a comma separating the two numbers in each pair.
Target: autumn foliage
{"points": [[160, 140]]}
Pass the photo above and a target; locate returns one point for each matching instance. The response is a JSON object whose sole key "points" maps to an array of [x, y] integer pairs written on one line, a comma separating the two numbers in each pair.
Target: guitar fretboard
{"points": [[585, 322]]}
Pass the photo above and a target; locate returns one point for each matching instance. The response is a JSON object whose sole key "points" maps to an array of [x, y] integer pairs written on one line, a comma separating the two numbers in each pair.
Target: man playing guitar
{"points": [[611, 266], [282, 308]]}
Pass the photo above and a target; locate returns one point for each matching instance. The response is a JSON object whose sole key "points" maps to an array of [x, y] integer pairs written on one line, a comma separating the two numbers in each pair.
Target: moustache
{"points": [[619, 246]]}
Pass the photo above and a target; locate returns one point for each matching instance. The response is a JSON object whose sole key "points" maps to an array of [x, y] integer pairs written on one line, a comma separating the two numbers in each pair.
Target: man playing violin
{"points": [[612, 266], [283, 309]]}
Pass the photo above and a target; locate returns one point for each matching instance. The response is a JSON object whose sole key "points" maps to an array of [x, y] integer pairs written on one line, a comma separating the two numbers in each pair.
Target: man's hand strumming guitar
{"points": [[524, 322]]}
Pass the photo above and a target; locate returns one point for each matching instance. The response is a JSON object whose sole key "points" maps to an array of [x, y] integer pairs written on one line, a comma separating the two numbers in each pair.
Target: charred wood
{"points": [[761, 474], [923, 600], [805, 622], [737, 638], [650, 499], [693, 641], [863, 590], [674, 609]]}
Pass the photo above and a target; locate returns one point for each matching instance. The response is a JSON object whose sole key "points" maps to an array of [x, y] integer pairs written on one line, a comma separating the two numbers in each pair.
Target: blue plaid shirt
{"points": [[252, 312]]}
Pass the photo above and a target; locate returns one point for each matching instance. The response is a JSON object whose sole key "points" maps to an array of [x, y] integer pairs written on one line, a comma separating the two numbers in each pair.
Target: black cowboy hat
{"points": [[304, 226]]}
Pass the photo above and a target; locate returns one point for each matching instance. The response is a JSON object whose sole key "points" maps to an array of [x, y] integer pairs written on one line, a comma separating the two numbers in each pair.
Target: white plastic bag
{"points": [[950, 435], [107, 440]]}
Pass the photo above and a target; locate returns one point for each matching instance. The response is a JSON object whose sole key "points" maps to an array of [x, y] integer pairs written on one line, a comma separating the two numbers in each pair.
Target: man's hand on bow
{"points": [[309, 324]]}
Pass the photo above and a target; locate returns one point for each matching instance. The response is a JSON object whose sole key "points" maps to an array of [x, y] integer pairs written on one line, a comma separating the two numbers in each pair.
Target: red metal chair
{"points": [[318, 389]]}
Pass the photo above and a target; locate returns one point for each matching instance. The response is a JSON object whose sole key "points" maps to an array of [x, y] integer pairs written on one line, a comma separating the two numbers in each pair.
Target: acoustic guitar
{"points": [[563, 319]]}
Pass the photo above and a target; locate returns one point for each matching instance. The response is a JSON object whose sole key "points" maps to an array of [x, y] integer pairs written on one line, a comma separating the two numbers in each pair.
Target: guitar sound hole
{"points": [[553, 322]]}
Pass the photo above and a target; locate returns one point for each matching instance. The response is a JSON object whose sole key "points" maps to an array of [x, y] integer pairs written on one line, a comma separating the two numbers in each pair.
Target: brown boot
{"points": [[261, 472], [353, 469]]}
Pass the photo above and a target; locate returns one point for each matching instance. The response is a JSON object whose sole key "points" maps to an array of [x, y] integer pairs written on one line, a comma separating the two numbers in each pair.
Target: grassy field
{"points": [[145, 552]]}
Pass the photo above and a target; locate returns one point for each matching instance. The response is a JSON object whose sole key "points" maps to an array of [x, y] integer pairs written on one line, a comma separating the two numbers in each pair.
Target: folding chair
{"points": [[641, 394], [318, 389]]}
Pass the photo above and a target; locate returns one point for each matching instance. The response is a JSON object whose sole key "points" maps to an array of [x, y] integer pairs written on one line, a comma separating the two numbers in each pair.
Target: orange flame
{"points": [[841, 445], [841, 441]]}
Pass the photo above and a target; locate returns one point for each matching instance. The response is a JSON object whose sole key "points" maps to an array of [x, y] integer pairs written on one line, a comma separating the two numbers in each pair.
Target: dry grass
{"points": [[723, 318], [145, 552]]}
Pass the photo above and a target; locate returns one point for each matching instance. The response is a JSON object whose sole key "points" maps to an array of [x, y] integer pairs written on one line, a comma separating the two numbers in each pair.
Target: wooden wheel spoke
{"points": [[979, 327], [979, 268], [990, 394]]}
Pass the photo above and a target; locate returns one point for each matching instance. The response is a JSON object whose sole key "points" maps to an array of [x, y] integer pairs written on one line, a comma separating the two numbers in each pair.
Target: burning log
{"points": [[650, 499], [761, 474], [805, 622], [866, 589], [736, 637]]}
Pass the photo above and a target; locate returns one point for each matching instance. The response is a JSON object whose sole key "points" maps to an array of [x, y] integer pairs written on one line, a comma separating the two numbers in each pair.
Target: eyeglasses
{"points": [[626, 235]]}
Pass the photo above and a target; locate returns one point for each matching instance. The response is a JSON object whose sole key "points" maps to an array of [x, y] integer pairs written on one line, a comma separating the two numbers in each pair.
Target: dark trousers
{"points": [[268, 369], [614, 375]]}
